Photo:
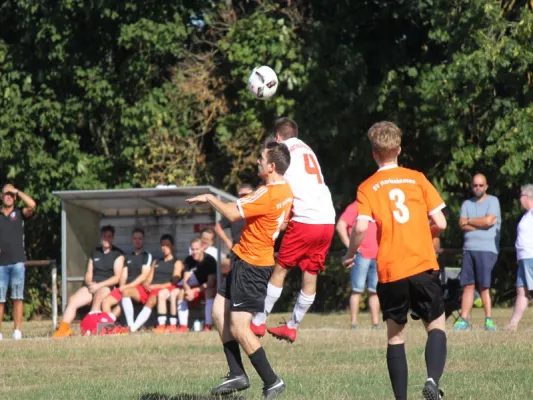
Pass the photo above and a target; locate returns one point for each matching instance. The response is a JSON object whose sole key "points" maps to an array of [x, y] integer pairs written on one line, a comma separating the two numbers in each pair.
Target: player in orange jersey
{"points": [[400, 200], [243, 293]]}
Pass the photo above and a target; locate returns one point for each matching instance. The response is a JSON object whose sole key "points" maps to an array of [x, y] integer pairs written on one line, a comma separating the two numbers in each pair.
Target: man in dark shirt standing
{"points": [[12, 253], [234, 226]]}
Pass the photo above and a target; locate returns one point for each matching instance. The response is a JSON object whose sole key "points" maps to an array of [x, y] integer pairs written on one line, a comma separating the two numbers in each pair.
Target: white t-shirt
{"points": [[312, 199], [524, 236]]}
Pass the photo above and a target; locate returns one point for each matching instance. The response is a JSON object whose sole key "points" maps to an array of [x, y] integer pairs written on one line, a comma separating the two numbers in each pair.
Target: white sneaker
{"points": [[1, 337], [17, 334]]}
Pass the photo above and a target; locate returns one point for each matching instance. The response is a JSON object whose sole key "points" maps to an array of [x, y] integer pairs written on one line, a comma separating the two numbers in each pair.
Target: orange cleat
{"points": [[172, 329], [258, 330], [283, 332], [63, 331], [182, 329], [160, 329], [207, 328]]}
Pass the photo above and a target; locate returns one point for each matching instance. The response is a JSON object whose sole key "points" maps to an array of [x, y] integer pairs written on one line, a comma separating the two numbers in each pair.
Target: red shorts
{"points": [[306, 246], [116, 294], [144, 294]]}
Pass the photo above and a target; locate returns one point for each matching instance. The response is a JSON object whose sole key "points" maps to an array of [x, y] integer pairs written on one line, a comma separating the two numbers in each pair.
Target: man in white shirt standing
{"points": [[524, 255], [308, 235]]}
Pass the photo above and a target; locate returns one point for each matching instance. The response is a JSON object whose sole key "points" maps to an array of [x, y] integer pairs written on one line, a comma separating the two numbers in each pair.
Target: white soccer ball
{"points": [[263, 82]]}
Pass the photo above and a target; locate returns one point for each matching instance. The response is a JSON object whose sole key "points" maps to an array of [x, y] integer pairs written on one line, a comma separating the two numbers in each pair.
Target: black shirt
{"points": [[12, 237], [135, 262], [202, 269], [164, 271], [235, 227], [103, 263]]}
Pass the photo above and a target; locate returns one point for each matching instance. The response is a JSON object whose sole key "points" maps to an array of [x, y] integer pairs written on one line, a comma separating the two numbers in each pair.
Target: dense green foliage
{"points": [[129, 93]]}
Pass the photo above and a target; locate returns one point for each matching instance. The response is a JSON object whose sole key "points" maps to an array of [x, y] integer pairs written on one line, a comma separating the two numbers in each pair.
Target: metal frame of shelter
{"points": [[86, 208]]}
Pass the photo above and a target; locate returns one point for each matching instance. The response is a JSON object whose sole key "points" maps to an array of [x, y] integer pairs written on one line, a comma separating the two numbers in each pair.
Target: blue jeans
{"points": [[364, 271], [524, 276], [13, 275]]}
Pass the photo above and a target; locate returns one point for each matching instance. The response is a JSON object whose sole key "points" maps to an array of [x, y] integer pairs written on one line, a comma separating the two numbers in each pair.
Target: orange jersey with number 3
{"points": [[400, 200], [265, 210]]}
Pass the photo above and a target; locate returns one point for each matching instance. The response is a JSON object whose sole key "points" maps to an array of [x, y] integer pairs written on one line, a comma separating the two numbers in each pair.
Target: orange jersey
{"points": [[400, 200], [264, 210]]}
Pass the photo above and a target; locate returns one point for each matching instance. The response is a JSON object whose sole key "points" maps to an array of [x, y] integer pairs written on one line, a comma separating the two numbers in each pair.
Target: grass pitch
{"points": [[328, 361]]}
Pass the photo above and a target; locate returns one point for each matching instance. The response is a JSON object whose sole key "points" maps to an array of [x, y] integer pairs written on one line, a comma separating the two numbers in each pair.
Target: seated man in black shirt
{"points": [[200, 277], [104, 270]]}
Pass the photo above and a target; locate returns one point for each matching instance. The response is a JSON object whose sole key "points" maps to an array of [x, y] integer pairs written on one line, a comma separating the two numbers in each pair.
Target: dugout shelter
{"points": [[157, 210]]}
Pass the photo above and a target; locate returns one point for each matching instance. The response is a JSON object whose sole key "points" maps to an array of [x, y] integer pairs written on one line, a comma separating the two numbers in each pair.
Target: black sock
{"points": [[262, 366], [233, 356], [397, 364], [436, 354]]}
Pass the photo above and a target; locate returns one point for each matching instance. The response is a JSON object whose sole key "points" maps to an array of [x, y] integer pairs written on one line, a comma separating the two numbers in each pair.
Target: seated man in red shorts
{"points": [[136, 271], [200, 277], [308, 235], [160, 277]]}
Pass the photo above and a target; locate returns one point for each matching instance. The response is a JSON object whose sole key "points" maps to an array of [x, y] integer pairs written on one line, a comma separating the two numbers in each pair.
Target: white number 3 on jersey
{"points": [[402, 213]]}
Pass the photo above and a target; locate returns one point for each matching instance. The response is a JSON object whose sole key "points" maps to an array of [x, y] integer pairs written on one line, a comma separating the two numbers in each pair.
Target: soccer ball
{"points": [[263, 82]]}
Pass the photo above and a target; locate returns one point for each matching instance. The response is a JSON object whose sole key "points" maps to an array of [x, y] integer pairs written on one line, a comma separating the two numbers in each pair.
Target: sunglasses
{"points": [[478, 185]]}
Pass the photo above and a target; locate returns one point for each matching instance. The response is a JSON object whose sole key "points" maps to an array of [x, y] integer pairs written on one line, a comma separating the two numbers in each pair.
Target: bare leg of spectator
{"points": [[373, 304], [487, 302], [18, 311], [79, 299], [173, 307], [354, 307], [162, 298], [467, 301], [1, 313], [99, 296], [519, 308]]}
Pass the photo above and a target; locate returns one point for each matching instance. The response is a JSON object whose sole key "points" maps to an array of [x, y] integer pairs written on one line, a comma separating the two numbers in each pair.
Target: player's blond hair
{"points": [[386, 139]]}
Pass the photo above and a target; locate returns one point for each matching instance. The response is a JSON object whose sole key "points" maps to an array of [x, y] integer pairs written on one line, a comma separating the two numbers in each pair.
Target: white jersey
{"points": [[312, 199]]}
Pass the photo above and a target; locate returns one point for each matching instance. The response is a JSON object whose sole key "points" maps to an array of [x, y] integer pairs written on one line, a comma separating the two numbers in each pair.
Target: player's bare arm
{"points": [[89, 273], [178, 270], [342, 230], [123, 278], [117, 273], [222, 235], [150, 277], [356, 238], [229, 210], [438, 222], [145, 272]]}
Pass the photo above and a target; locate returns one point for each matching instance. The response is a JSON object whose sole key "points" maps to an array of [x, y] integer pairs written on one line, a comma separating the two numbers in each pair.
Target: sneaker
{"points": [[283, 332], [207, 328], [1, 337], [489, 325], [461, 325], [272, 391], [354, 326], [376, 327], [171, 329], [160, 329], [17, 334], [431, 391], [231, 384], [258, 330], [63, 331]]}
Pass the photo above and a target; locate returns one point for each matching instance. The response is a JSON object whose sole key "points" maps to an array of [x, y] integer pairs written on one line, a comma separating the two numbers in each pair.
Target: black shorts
{"points": [[246, 286], [422, 293]]}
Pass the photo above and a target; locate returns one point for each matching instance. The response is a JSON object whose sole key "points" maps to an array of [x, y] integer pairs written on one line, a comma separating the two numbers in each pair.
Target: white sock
{"points": [[173, 321], [303, 303], [273, 294], [183, 313], [112, 316], [162, 320], [209, 311], [141, 318], [127, 307]]}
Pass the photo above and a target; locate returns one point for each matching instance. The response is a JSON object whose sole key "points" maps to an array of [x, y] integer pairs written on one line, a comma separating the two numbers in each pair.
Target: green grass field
{"points": [[328, 361]]}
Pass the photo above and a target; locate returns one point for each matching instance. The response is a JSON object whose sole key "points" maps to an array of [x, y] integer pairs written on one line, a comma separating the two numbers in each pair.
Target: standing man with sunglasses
{"points": [[12, 252], [480, 221]]}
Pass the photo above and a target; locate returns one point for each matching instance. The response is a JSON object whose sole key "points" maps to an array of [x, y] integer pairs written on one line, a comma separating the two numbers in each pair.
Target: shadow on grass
{"points": [[184, 396]]}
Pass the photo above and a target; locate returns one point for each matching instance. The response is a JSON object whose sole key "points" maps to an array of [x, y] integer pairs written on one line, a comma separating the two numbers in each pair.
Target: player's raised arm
{"points": [[228, 210]]}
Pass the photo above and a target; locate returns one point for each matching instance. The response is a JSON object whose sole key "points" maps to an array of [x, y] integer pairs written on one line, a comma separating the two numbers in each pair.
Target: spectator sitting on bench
{"points": [[207, 235], [160, 278], [200, 277], [136, 271], [104, 270]]}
